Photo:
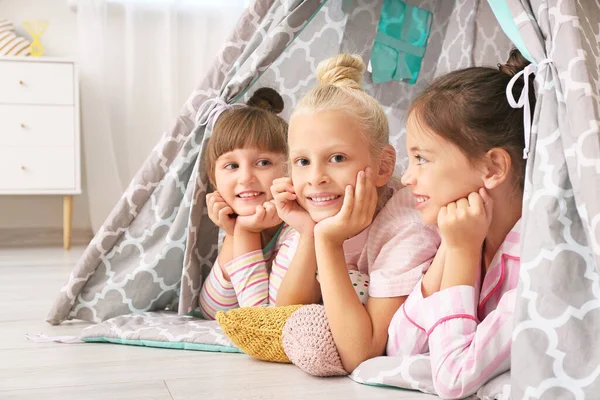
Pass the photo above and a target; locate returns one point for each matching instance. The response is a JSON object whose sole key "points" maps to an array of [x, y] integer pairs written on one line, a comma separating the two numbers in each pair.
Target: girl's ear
{"points": [[387, 164], [497, 167]]}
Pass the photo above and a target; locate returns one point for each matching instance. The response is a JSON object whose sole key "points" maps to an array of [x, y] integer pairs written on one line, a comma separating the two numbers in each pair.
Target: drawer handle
{"points": [[23, 126], [21, 83], [23, 168]]}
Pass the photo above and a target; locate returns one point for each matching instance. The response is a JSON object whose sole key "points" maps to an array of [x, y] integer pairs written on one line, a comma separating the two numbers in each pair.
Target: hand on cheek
{"points": [[356, 214], [220, 213], [288, 209], [263, 218], [464, 223]]}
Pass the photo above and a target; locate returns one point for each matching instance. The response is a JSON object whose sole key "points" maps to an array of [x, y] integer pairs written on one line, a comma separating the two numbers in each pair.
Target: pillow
{"points": [[296, 334], [10, 43], [308, 342], [257, 330]]}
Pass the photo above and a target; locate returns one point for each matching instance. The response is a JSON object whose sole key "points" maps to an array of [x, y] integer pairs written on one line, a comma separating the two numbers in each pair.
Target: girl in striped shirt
{"points": [[467, 171], [245, 153]]}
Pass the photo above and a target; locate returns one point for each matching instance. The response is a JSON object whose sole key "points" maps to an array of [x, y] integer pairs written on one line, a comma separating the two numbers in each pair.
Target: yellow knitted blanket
{"points": [[257, 331]]}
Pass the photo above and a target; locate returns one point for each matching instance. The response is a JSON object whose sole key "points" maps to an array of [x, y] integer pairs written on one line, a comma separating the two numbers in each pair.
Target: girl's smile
{"points": [[243, 177], [327, 150]]}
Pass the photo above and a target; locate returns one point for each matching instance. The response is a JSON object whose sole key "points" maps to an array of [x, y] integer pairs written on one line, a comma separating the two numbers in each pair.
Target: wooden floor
{"points": [[29, 280]]}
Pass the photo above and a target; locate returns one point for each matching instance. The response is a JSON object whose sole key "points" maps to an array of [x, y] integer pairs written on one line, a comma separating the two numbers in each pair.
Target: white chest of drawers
{"points": [[39, 130]]}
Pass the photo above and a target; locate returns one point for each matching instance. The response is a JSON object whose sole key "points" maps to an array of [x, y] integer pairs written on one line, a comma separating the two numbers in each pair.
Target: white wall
{"points": [[59, 40]]}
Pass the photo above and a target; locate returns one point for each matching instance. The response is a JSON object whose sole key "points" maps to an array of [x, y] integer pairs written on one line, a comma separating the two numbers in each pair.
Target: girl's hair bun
{"points": [[343, 70], [267, 99], [515, 63]]}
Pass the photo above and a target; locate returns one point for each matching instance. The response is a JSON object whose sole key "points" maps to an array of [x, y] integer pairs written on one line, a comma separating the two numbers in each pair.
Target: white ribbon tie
{"points": [[211, 110], [523, 101]]}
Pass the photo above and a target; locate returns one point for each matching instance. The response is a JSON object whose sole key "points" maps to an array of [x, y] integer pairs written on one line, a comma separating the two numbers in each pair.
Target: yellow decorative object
{"points": [[36, 29], [257, 330]]}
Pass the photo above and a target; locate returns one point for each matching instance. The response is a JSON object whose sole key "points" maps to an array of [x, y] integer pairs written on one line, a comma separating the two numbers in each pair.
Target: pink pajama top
{"points": [[466, 330]]}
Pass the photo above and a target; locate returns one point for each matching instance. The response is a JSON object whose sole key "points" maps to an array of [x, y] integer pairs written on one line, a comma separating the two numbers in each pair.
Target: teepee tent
{"points": [[554, 351], [158, 243]]}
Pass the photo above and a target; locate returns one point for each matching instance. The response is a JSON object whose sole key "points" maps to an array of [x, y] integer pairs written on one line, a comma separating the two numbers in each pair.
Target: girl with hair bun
{"points": [[358, 244], [246, 152], [467, 171]]}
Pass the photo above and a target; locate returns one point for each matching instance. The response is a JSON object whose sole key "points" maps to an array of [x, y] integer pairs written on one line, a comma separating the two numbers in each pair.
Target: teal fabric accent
{"points": [[273, 240], [165, 345], [508, 25], [388, 386], [400, 43]]}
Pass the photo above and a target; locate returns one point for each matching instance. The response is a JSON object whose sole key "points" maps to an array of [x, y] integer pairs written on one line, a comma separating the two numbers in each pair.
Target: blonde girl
{"points": [[359, 246]]}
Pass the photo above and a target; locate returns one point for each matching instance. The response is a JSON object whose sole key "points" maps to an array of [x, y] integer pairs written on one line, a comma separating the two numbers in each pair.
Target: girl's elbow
{"points": [[282, 301], [351, 363], [354, 358]]}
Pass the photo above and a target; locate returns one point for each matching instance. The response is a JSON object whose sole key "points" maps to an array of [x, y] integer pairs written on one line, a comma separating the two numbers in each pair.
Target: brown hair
{"points": [[469, 108], [255, 126]]}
